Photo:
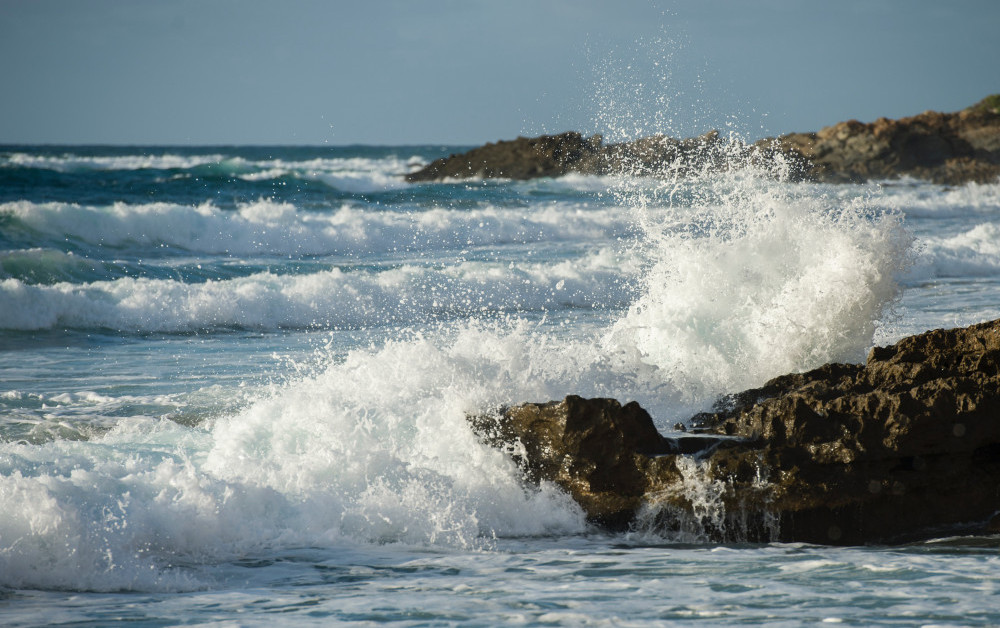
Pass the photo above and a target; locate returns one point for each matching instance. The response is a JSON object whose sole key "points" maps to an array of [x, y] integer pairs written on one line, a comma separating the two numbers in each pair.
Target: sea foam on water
{"points": [[266, 227], [734, 278]]}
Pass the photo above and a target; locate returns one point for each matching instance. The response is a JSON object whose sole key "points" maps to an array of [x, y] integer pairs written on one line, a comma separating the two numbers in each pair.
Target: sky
{"points": [[465, 72]]}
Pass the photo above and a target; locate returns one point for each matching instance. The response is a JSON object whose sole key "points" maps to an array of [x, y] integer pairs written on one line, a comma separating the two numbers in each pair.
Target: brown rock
{"points": [[949, 148], [906, 446], [918, 425], [607, 456], [556, 155], [523, 158]]}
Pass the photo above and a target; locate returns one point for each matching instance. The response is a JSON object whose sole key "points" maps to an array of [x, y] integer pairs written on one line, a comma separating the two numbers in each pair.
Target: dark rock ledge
{"points": [[901, 448], [949, 148]]}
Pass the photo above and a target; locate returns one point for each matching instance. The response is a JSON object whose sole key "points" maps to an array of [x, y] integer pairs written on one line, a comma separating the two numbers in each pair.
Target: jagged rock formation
{"points": [[941, 147], [906, 446], [950, 148], [523, 158], [556, 155]]}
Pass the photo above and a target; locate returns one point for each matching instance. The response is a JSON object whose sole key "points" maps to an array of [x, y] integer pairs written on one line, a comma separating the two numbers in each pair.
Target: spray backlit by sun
{"points": [[749, 274]]}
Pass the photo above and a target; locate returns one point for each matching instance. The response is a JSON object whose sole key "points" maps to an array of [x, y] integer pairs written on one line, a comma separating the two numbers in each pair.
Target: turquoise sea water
{"points": [[233, 383]]}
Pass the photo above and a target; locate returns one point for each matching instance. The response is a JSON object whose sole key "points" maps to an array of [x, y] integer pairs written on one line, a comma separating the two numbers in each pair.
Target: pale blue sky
{"points": [[471, 71]]}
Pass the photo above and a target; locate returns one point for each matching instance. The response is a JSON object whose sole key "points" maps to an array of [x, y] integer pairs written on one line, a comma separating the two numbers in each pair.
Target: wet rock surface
{"points": [[948, 148], [903, 447]]}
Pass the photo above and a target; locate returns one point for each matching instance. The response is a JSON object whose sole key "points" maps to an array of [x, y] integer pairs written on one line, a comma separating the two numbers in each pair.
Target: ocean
{"points": [[234, 382]]}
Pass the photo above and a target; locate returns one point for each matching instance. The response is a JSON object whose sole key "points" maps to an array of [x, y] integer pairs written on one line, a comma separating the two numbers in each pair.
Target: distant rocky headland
{"points": [[903, 447], [947, 148]]}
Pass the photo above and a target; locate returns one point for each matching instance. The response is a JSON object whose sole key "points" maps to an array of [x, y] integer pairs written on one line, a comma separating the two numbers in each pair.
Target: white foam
{"points": [[267, 227], [760, 279], [754, 279], [371, 449], [354, 174], [924, 200], [348, 174], [971, 253], [112, 515], [334, 298], [69, 162]]}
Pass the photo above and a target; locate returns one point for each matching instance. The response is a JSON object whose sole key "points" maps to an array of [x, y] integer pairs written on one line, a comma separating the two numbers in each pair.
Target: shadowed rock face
{"points": [[948, 148], [906, 446]]}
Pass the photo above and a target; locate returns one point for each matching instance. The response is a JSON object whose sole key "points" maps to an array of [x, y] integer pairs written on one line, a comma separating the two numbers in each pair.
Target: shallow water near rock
{"points": [[233, 383]]}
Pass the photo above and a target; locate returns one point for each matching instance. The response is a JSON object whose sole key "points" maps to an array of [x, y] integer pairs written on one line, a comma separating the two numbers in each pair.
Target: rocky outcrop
{"points": [[607, 456], [905, 446], [950, 148], [557, 155], [523, 158], [941, 147]]}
